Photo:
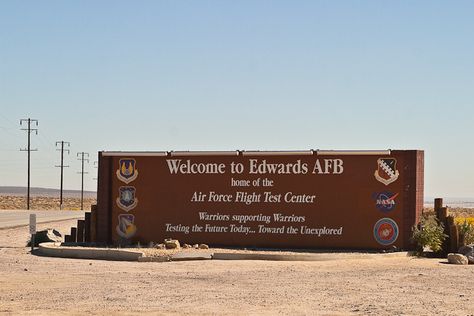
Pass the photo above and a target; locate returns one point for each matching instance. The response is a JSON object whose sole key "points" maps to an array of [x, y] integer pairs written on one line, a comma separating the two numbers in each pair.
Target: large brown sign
{"points": [[313, 199]]}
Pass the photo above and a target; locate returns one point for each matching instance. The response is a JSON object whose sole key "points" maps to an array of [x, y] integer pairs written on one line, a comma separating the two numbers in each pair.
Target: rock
{"points": [[196, 246], [457, 258], [187, 246], [160, 246], [468, 251], [203, 246], [47, 235], [172, 244]]}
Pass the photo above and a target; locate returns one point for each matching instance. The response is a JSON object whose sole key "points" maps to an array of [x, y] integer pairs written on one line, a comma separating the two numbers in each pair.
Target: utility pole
{"points": [[62, 166], [29, 150], [82, 159]]}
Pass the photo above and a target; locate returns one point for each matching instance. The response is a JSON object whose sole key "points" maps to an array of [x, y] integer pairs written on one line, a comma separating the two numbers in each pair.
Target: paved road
{"points": [[14, 218]]}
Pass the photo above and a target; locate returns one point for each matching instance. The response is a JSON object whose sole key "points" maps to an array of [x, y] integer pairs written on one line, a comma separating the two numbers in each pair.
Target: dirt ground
{"points": [[37, 285], [15, 202]]}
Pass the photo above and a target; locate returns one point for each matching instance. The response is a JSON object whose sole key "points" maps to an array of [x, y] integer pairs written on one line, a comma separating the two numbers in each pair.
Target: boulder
{"points": [[457, 258], [468, 251], [187, 246], [196, 246], [47, 235], [160, 246], [203, 246], [172, 244]]}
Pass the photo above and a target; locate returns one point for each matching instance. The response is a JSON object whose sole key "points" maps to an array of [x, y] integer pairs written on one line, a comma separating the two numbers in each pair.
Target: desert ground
{"points": [[18, 202], [400, 285]]}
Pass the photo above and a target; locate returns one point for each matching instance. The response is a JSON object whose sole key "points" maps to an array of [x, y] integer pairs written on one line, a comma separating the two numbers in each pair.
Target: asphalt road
{"points": [[15, 218]]}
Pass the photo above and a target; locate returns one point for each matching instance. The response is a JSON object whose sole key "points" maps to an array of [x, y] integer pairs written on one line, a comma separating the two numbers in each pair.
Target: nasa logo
{"points": [[386, 231], [127, 200], [386, 170], [127, 171], [385, 201]]}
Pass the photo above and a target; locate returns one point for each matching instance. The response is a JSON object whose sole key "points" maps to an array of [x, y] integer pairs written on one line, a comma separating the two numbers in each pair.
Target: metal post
{"points": [[33, 231], [33, 241]]}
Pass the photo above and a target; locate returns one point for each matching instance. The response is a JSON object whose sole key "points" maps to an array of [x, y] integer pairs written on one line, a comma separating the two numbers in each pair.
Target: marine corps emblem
{"points": [[127, 171], [127, 200], [386, 231], [125, 227], [386, 170]]}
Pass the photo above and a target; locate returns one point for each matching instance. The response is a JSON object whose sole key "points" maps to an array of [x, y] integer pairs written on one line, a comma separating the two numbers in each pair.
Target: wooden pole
{"points": [[454, 238], [438, 204], [443, 214]]}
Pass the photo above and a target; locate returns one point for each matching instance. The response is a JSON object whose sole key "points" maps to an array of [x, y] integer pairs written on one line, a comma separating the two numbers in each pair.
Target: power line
{"points": [[29, 130], [82, 159], [62, 166]]}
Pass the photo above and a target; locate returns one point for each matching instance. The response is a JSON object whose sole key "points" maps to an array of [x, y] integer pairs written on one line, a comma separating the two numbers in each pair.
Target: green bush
{"points": [[429, 233], [466, 233]]}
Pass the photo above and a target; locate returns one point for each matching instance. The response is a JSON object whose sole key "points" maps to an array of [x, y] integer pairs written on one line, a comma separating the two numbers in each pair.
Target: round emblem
{"points": [[385, 231]]}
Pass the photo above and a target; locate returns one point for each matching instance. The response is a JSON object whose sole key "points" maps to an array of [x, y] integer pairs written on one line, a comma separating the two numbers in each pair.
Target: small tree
{"points": [[429, 233]]}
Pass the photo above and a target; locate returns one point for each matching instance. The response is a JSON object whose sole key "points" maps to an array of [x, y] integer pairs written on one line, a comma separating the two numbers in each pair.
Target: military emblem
{"points": [[385, 201], [386, 170], [126, 228], [127, 171], [386, 231], [127, 200]]}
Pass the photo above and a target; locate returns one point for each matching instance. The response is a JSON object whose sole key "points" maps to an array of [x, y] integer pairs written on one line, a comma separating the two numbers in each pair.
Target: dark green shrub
{"points": [[429, 233]]}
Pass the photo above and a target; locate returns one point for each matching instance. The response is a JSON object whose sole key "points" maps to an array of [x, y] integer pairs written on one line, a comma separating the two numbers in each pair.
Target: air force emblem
{"points": [[127, 172], [386, 170], [126, 228], [127, 200]]}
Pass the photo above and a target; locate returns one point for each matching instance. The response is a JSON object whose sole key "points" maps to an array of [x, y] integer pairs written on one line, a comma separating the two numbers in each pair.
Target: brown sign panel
{"points": [[338, 200]]}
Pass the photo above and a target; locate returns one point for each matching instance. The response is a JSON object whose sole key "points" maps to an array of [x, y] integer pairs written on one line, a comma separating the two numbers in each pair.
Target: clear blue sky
{"points": [[220, 75]]}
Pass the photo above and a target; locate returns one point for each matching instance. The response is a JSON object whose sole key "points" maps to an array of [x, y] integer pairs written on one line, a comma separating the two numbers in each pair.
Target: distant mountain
{"points": [[466, 202], [47, 192]]}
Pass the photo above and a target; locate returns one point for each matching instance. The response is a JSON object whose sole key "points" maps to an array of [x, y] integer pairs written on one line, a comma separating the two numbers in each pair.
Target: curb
{"points": [[307, 257], [52, 249], [270, 257], [188, 256]]}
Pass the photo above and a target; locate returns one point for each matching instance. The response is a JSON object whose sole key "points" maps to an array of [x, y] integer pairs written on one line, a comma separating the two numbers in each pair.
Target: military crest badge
{"points": [[126, 228], [127, 171], [127, 200], [386, 231], [386, 170]]}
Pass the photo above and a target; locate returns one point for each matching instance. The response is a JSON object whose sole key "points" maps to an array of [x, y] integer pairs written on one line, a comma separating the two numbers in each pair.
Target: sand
{"points": [[15, 202], [382, 285]]}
